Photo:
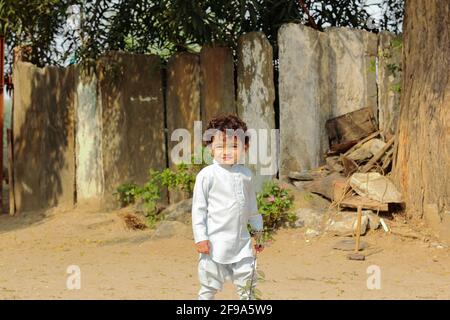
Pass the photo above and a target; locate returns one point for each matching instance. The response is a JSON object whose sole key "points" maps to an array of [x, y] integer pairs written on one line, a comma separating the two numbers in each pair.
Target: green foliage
{"points": [[396, 88], [274, 204], [181, 178], [166, 26], [392, 12], [249, 290], [397, 43], [393, 68], [35, 23], [126, 194], [149, 193]]}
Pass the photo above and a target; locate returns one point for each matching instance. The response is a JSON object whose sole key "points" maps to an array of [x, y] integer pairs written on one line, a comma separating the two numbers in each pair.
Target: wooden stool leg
{"points": [[358, 228]]}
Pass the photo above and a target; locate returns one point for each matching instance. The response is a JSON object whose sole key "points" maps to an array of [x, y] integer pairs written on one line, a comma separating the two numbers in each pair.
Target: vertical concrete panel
{"points": [[43, 137], [132, 121], [389, 80], [303, 94], [89, 165], [182, 106], [28, 136], [352, 70], [183, 95], [58, 181], [255, 99], [217, 82]]}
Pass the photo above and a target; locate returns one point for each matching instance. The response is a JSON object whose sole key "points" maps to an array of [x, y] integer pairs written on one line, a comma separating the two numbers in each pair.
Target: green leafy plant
{"points": [[249, 290], [150, 193], [274, 204], [126, 194], [181, 177]]}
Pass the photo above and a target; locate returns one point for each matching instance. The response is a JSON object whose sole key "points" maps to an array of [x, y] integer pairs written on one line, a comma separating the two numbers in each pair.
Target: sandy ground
{"points": [[37, 248]]}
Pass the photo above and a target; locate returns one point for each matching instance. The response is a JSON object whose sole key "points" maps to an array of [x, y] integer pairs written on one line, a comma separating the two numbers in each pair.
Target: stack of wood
{"points": [[357, 165]]}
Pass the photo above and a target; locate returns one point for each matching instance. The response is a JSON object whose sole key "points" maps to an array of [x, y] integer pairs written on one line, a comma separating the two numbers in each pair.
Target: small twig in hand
{"points": [[253, 276]]}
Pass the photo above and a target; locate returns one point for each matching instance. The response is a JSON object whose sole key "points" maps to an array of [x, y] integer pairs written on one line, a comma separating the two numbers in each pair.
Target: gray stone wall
{"points": [[90, 182], [255, 102], [304, 100], [327, 74]]}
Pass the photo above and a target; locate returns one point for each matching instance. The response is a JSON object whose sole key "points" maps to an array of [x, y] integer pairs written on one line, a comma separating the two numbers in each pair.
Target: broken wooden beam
{"points": [[377, 157], [360, 143]]}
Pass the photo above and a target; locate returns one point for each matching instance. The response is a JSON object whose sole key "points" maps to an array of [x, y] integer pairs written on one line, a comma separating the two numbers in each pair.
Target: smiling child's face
{"points": [[227, 149]]}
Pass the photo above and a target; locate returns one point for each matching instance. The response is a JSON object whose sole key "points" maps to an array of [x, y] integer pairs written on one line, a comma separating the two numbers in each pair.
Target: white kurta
{"points": [[224, 202]]}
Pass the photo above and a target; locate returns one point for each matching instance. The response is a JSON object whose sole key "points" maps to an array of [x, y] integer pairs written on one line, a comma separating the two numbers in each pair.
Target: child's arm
{"points": [[256, 221], [199, 213]]}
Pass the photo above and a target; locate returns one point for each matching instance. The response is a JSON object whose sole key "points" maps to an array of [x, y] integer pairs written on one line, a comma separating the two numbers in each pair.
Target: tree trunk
{"points": [[422, 169]]}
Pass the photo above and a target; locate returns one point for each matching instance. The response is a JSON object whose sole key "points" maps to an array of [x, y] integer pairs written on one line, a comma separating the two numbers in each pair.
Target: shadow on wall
{"points": [[132, 116], [43, 137], [129, 127]]}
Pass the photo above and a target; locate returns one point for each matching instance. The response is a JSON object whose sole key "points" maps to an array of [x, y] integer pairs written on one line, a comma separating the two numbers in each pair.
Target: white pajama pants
{"points": [[212, 276]]}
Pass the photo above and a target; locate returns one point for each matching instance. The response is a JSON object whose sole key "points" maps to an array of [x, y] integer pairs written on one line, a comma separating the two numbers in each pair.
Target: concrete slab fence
{"points": [[80, 132]]}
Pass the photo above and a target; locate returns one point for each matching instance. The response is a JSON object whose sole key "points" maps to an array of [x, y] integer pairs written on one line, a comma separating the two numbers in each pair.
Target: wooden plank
{"points": [[365, 203], [342, 147], [354, 125]]}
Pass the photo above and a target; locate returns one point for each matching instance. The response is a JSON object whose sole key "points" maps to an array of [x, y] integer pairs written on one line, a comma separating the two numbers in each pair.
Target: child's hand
{"points": [[259, 247], [203, 247]]}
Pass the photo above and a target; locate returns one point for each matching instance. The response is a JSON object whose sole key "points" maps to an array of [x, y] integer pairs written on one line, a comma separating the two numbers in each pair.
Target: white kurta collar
{"points": [[226, 166]]}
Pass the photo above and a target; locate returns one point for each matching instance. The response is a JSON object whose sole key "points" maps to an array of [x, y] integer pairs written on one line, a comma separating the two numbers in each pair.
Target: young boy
{"points": [[224, 202]]}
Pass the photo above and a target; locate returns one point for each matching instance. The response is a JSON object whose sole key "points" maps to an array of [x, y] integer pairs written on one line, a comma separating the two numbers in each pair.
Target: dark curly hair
{"points": [[227, 121]]}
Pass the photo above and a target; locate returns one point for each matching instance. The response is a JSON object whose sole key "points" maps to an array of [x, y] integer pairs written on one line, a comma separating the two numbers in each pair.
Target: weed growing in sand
{"points": [[274, 204], [180, 178], [126, 194]]}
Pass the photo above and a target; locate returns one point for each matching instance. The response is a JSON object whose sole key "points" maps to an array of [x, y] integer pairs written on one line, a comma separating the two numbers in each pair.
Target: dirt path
{"points": [[36, 250]]}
